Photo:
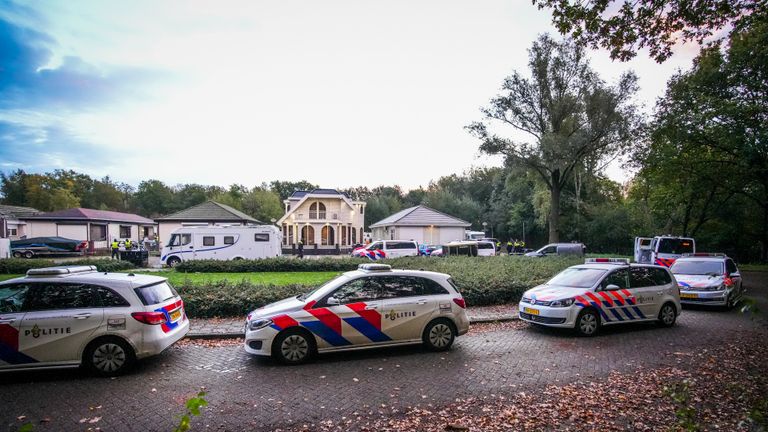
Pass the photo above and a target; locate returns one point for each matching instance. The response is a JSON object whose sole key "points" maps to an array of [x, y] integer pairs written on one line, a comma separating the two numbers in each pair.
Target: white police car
{"points": [[373, 306], [708, 279], [70, 316], [603, 291]]}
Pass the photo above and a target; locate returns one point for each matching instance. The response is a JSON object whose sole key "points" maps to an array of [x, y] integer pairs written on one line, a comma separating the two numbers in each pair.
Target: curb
{"points": [[237, 335]]}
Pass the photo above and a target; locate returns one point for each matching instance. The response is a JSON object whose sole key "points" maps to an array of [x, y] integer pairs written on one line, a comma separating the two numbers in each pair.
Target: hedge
{"points": [[482, 281], [21, 265], [280, 264]]}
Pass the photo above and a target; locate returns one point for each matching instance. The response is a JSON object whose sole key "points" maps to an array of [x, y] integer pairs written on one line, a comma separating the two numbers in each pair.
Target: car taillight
{"points": [[460, 301], [152, 318]]}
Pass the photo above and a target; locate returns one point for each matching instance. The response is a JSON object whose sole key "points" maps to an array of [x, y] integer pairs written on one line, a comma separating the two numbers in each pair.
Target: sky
{"points": [[339, 93]]}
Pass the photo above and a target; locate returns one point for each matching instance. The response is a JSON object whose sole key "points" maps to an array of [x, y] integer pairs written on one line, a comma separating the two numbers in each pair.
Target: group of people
{"points": [[515, 246]]}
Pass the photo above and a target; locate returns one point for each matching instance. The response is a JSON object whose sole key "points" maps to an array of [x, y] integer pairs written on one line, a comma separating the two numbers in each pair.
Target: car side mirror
{"points": [[611, 287], [332, 301]]}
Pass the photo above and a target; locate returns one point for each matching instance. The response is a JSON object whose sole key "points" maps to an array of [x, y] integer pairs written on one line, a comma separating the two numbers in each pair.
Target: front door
{"points": [[355, 320], [407, 306], [11, 315], [617, 302], [648, 288], [60, 319]]}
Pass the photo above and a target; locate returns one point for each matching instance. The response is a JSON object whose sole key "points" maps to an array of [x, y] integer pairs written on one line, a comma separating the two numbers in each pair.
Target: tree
{"points": [[284, 189], [710, 127], [624, 27], [262, 204], [572, 116], [153, 198]]}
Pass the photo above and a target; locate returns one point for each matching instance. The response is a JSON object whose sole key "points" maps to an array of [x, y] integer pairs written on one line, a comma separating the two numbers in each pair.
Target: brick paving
{"points": [[247, 393]]}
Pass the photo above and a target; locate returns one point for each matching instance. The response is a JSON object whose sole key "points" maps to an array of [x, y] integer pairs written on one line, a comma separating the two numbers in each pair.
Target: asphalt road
{"points": [[257, 394]]}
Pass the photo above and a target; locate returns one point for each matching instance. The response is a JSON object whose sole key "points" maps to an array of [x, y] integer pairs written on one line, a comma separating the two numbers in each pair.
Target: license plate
{"points": [[689, 295], [176, 315], [531, 311]]}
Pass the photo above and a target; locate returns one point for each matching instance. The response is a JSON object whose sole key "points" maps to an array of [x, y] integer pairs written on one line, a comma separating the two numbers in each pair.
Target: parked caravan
{"points": [[662, 250], [222, 243]]}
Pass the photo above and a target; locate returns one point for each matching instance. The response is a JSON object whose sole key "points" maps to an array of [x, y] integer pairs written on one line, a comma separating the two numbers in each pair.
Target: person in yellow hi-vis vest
{"points": [[115, 246], [128, 244]]}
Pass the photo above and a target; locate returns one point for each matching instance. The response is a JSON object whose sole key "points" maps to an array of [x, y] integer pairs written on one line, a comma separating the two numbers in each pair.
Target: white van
{"points": [[662, 250], [559, 249], [486, 248], [388, 249], [222, 243]]}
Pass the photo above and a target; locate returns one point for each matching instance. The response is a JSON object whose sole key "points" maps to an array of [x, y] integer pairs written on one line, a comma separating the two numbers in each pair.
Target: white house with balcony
{"points": [[325, 220]]}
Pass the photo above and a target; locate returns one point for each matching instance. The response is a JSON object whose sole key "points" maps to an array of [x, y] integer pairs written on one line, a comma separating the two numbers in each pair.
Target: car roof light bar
{"points": [[606, 261], [374, 267], [60, 270]]}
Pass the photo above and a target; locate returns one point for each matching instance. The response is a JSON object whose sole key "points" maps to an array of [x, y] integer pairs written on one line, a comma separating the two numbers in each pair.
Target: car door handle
{"points": [[421, 301], [83, 316], [371, 307], [659, 292]]}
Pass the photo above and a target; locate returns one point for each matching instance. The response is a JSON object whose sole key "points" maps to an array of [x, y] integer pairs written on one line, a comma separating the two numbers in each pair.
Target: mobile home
{"points": [[222, 243]]}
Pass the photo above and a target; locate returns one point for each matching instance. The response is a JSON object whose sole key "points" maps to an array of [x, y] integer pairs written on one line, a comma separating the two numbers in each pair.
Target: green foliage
{"points": [[256, 278], [26, 427], [194, 406], [20, 266], [482, 281], [624, 28], [680, 393], [280, 264], [574, 121]]}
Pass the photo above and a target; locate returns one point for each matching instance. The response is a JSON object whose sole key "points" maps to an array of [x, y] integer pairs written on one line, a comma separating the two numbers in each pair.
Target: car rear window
{"points": [[702, 267], [155, 293]]}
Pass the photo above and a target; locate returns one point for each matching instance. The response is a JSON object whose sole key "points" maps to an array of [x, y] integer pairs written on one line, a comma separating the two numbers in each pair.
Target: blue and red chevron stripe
{"points": [[666, 262], [614, 302], [167, 326], [9, 346], [328, 324]]}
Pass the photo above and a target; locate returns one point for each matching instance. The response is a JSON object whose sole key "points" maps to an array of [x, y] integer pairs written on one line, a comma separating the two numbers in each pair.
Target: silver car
{"points": [[70, 316]]}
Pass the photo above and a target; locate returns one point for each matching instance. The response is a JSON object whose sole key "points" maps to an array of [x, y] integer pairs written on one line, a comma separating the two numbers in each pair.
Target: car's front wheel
{"points": [[439, 335], [667, 315], [173, 261], [109, 356], [587, 323], [293, 346]]}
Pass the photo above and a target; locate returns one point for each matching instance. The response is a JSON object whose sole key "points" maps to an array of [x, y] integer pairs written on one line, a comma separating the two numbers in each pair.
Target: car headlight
{"points": [[259, 324], [562, 303]]}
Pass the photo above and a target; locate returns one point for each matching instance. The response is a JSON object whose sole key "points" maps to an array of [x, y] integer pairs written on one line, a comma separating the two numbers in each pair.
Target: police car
{"points": [[373, 306], [708, 279], [603, 291], [70, 316]]}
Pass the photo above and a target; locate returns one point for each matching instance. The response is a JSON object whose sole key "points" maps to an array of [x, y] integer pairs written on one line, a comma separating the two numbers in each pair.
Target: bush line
{"points": [[21, 265]]}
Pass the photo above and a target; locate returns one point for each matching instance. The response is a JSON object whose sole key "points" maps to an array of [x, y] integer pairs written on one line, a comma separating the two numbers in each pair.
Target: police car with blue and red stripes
{"points": [[373, 306], [73, 315], [603, 291]]}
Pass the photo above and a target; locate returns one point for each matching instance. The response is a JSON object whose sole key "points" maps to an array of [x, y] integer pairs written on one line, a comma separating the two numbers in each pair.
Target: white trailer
{"points": [[222, 243]]}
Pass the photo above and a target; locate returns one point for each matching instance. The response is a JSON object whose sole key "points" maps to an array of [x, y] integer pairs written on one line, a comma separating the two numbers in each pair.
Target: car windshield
{"points": [[712, 268], [575, 277], [306, 295], [675, 246]]}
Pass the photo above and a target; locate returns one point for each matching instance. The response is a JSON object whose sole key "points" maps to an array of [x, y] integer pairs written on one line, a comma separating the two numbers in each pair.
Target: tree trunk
{"points": [[554, 212]]}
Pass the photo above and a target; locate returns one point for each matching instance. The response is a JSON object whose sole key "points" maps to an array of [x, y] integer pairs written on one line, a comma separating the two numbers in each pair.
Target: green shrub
{"points": [[21, 265], [280, 264], [482, 281]]}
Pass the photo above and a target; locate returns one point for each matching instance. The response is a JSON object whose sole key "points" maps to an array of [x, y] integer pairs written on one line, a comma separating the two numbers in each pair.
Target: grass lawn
{"points": [[273, 278], [8, 276]]}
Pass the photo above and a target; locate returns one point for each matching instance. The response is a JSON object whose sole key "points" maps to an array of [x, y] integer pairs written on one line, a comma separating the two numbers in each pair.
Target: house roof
{"points": [[301, 193], [85, 214], [14, 212], [209, 211], [421, 216]]}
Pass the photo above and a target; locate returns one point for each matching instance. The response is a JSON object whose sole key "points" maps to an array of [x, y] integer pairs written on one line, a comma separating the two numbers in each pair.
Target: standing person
{"points": [[128, 244], [301, 249], [115, 246], [509, 247]]}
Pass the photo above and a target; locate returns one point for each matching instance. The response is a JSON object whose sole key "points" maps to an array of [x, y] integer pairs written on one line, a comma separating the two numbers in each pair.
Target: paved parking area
{"points": [[256, 394]]}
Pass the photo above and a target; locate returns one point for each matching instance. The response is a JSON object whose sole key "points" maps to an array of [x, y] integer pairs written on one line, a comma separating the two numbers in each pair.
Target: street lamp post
{"points": [[485, 224]]}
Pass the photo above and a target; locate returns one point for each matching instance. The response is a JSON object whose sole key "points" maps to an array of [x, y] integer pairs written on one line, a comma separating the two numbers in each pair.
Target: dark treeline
{"points": [[701, 161]]}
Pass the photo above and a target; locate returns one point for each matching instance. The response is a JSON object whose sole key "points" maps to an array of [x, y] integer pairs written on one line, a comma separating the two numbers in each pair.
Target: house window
{"points": [[229, 240], [354, 236], [209, 241], [361, 209], [317, 211], [261, 237], [327, 236], [343, 235], [12, 232], [308, 235], [290, 234], [98, 232], [125, 231]]}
